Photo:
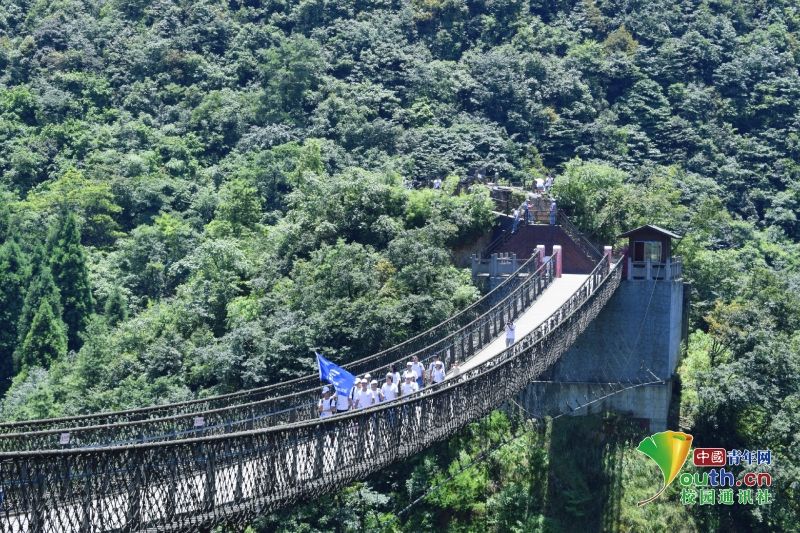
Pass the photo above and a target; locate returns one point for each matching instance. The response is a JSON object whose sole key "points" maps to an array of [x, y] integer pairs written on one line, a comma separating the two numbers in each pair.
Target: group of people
{"points": [[367, 391], [544, 186], [527, 213]]}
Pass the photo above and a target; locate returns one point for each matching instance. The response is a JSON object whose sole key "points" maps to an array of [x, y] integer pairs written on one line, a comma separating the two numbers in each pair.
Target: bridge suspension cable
{"points": [[293, 407], [415, 344], [187, 484]]}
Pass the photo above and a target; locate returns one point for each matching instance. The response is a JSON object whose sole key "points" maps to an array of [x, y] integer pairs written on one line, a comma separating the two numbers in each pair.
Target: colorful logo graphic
{"points": [[669, 450]]}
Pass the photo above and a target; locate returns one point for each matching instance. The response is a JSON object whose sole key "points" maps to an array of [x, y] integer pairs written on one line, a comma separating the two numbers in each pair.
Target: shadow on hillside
{"points": [[584, 489]]}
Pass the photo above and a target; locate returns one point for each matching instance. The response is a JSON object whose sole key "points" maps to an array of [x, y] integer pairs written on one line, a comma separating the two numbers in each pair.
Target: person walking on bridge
{"points": [[344, 401], [410, 385], [510, 333], [419, 370], [436, 371], [396, 380], [553, 210], [389, 389], [364, 396], [327, 405], [377, 395]]}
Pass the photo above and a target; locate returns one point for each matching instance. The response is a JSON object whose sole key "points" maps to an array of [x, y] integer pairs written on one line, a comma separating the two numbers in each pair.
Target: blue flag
{"points": [[341, 379]]}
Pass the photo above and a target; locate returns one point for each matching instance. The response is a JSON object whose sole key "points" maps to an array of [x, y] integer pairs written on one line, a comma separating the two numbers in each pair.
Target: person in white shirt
{"points": [[375, 391], [409, 368], [510, 333], [327, 405], [437, 371], [409, 386], [419, 370], [395, 376], [364, 396], [389, 389], [354, 392], [343, 401]]}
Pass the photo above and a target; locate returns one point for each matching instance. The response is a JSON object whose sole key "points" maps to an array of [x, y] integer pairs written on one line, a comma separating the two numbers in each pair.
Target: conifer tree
{"points": [[38, 258], [116, 309], [14, 272], [68, 263], [42, 287], [46, 340]]}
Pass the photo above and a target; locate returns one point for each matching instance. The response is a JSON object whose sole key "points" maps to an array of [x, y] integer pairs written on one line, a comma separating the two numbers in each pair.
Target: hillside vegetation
{"points": [[194, 195]]}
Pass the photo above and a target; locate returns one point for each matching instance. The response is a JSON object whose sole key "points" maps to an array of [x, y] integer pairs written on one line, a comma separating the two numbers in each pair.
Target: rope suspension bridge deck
{"points": [[462, 323], [254, 454], [458, 345], [551, 299]]}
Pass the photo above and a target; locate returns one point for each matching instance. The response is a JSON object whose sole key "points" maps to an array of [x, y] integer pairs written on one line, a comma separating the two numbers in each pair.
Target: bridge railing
{"points": [[671, 268], [397, 352], [230, 479], [457, 346], [502, 200], [588, 247]]}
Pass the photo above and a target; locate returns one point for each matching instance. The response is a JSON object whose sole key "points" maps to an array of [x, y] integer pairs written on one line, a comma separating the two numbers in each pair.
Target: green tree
{"points": [[5, 218], [90, 200], [292, 72], [42, 287], [116, 308], [46, 340], [14, 274], [239, 205], [596, 196], [620, 40], [68, 262]]}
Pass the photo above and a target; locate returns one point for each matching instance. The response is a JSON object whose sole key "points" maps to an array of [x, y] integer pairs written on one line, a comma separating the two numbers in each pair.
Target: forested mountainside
{"points": [[194, 195]]}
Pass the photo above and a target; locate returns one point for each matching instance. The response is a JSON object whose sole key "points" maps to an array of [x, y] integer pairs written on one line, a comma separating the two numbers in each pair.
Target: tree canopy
{"points": [[195, 195]]}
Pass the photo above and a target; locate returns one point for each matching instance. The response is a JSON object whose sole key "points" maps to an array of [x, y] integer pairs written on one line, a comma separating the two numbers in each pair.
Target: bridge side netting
{"points": [[397, 352], [459, 345], [194, 484]]}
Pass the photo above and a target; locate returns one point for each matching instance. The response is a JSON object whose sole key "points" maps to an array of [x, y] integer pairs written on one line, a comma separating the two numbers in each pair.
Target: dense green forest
{"points": [[194, 195]]}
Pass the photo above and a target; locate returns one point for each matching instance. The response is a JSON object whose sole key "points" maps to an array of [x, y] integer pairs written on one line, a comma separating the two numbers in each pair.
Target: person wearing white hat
{"points": [[437, 371], [355, 390], [410, 385], [375, 391], [389, 389], [327, 405], [410, 368], [364, 396]]}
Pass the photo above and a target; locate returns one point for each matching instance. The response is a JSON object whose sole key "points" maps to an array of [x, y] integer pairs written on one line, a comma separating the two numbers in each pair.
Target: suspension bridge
{"points": [[228, 459]]}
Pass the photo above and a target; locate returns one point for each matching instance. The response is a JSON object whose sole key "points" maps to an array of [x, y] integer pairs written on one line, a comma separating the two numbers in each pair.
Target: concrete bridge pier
{"points": [[635, 340]]}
